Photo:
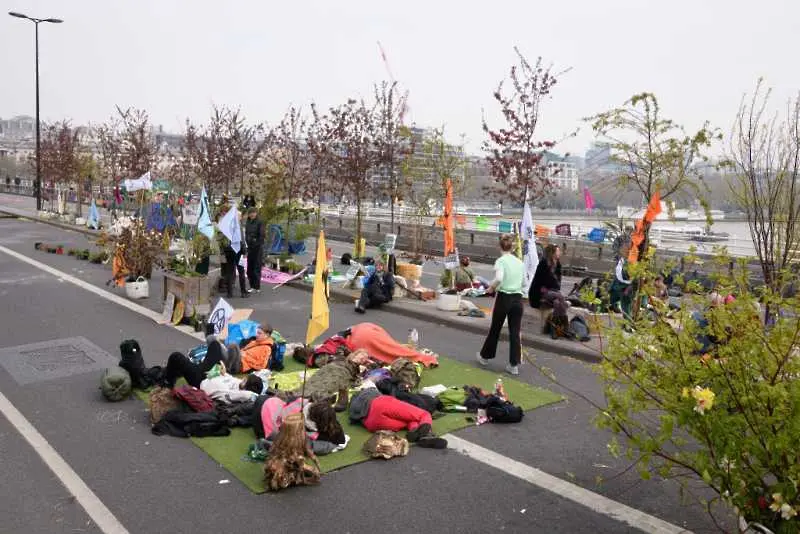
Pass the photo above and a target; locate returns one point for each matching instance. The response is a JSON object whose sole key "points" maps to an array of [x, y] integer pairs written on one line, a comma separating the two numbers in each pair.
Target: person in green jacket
{"points": [[507, 285]]}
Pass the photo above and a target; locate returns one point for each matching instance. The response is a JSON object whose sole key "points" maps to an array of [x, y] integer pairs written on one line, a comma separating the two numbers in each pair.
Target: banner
{"points": [[530, 257], [220, 315], [271, 276], [141, 183], [191, 213], [229, 226], [204, 224], [93, 221]]}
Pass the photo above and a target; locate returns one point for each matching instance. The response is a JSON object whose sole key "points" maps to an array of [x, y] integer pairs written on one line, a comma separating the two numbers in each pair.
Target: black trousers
{"points": [[179, 365], [230, 269], [254, 263], [505, 306]]}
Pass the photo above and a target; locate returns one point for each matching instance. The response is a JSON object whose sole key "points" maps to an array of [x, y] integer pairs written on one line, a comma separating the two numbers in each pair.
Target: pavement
{"points": [[532, 336], [164, 484]]}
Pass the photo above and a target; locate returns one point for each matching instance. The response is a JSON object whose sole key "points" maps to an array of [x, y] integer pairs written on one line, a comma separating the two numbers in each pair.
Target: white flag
{"points": [[229, 226], [142, 182], [530, 257]]}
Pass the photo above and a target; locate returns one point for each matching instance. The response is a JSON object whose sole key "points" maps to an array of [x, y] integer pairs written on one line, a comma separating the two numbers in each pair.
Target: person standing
{"points": [[507, 284], [232, 264], [254, 236]]}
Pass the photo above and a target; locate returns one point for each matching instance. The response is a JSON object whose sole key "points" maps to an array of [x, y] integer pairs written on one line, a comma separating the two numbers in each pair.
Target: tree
{"points": [[107, 143], [765, 154], [138, 150], [224, 149], [324, 161], [287, 162], [394, 141], [515, 157], [60, 156], [353, 140], [654, 153]]}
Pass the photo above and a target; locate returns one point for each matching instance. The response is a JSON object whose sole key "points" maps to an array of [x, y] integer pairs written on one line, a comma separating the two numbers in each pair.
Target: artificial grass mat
{"points": [[231, 451]]}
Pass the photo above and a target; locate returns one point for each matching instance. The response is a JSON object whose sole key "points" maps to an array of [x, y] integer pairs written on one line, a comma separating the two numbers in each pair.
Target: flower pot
{"points": [[140, 289], [60, 250], [448, 302], [409, 271]]}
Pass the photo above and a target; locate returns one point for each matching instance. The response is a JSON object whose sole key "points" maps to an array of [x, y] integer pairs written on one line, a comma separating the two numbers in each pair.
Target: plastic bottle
{"points": [[498, 388], [413, 338]]}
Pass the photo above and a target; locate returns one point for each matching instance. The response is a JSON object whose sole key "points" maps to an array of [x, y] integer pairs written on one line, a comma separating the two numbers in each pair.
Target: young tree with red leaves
{"points": [[60, 156], [394, 141], [515, 157], [323, 161]]}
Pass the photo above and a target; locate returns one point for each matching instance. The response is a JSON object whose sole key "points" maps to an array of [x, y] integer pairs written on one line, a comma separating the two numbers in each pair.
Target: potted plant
{"points": [[137, 251], [187, 274], [60, 249], [83, 254]]}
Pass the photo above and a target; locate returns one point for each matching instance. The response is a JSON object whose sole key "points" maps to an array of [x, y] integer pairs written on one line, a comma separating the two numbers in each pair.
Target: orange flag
{"points": [[653, 209], [448, 220]]}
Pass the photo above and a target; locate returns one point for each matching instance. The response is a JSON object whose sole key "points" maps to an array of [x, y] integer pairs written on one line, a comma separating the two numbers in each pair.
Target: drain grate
{"points": [[51, 360]]}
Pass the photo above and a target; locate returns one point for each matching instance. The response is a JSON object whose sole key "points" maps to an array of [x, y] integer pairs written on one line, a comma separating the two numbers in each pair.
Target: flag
{"points": [[229, 226], [204, 224], [653, 209], [142, 182], [530, 257], [319, 321], [587, 199], [94, 217]]}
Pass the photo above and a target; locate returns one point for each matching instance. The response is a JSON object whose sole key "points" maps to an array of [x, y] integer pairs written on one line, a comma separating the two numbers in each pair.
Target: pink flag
{"points": [[587, 199]]}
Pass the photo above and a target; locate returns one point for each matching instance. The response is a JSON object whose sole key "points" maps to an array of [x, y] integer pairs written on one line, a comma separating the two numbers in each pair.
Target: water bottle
{"points": [[498, 388], [413, 338]]}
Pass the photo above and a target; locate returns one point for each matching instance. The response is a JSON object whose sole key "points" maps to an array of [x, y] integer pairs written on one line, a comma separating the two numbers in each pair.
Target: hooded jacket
{"points": [[359, 406]]}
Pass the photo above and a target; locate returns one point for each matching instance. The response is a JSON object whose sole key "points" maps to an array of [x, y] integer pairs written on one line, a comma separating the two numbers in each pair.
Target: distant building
{"points": [[19, 127], [562, 172]]}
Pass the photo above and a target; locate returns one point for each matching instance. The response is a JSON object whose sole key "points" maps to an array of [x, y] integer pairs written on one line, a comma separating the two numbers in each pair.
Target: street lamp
{"points": [[38, 185]]}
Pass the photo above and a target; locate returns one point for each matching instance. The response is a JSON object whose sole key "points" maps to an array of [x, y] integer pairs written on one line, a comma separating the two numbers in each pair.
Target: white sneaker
{"points": [[512, 369], [481, 360]]}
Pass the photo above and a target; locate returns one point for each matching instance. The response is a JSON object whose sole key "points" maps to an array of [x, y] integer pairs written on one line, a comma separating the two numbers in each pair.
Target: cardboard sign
{"points": [[389, 242], [451, 261], [169, 305], [220, 316], [191, 214]]}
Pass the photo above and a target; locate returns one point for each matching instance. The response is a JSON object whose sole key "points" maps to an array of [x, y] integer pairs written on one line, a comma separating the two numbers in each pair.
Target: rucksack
{"points": [[502, 411], [386, 444], [557, 326], [132, 361], [161, 400], [405, 371], [115, 384], [579, 329], [197, 399], [276, 358], [198, 353]]}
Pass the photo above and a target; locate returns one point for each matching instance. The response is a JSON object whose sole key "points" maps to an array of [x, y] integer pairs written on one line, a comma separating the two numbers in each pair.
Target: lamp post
{"points": [[38, 184]]}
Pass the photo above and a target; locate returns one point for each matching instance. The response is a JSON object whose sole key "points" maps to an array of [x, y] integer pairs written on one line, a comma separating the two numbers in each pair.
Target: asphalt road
{"points": [[164, 484]]}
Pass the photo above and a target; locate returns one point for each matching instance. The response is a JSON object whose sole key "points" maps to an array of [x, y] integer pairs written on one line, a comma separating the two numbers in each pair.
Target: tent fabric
{"points": [[597, 235]]}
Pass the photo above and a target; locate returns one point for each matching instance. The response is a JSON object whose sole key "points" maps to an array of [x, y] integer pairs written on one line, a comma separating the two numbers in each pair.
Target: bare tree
{"points": [[765, 153], [515, 157], [324, 161], [354, 139], [224, 149], [138, 150], [287, 161], [394, 141], [60, 156]]}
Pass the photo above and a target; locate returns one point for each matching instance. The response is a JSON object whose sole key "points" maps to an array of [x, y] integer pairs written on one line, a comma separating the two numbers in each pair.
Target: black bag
{"points": [[579, 329], [133, 362], [557, 326], [501, 411]]}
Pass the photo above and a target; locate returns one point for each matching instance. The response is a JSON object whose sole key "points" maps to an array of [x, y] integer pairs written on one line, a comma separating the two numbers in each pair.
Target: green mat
{"points": [[231, 451]]}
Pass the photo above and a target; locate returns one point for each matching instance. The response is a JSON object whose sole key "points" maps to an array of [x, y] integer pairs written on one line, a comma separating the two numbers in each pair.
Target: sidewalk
{"points": [[532, 336]]}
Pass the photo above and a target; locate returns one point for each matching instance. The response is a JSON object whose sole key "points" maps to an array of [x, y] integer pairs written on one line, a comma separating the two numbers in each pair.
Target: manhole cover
{"points": [[49, 360]]}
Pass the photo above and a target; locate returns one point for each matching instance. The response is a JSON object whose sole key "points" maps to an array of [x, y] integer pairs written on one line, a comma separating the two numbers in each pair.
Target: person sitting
{"points": [[382, 347], [336, 378], [545, 288], [376, 411], [378, 289], [254, 353]]}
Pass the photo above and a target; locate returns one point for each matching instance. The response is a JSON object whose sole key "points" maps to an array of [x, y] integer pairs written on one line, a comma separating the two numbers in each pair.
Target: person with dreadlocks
{"points": [[291, 462]]}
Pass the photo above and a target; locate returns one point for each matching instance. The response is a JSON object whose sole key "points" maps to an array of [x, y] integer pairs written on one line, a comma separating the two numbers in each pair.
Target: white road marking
{"points": [[594, 501], [562, 488], [102, 516], [116, 299]]}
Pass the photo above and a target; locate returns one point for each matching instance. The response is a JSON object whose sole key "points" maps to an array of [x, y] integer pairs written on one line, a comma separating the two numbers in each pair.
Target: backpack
{"points": [[161, 401], [557, 326], [115, 384], [502, 411], [132, 361], [276, 358], [197, 354], [197, 399], [405, 371], [579, 329], [386, 444]]}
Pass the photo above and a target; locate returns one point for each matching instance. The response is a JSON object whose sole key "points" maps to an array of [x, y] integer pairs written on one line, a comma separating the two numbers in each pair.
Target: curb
{"points": [[563, 347], [19, 214]]}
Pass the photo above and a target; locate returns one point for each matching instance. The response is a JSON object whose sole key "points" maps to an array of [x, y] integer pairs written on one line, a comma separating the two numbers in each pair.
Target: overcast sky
{"points": [[177, 57]]}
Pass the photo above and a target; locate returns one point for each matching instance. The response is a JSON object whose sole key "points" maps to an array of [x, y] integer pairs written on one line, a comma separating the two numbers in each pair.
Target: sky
{"points": [[176, 58]]}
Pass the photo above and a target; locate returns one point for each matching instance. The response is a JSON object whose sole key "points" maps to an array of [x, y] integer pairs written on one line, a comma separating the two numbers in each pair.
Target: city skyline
{"points": [[132, 55]]}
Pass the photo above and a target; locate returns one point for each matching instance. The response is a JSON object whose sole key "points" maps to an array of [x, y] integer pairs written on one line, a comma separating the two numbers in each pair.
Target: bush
{"points": [[728, 416]]}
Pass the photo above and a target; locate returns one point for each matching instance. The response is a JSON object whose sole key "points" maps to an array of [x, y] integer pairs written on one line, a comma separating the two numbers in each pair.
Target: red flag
{"points": [[587, 199]]}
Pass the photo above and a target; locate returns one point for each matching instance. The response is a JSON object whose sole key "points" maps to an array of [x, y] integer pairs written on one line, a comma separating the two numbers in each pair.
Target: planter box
{"points": [[194, 291]]}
